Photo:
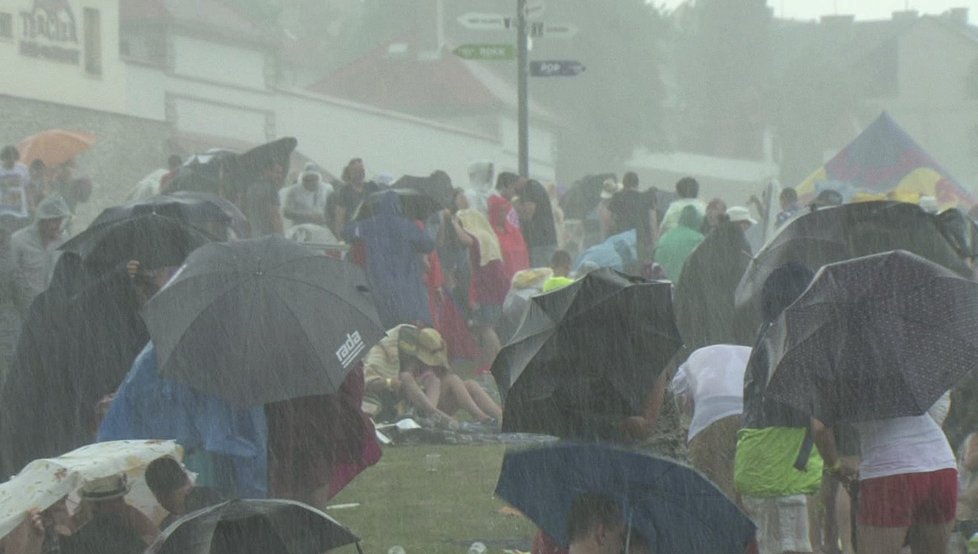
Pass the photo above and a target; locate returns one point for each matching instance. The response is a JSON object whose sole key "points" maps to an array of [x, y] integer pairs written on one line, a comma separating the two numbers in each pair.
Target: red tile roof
{"points": [[403, 82]]}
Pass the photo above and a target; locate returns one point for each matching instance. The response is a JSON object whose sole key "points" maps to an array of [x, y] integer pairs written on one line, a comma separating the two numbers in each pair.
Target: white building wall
{"points": [[40, 78], [212, 61], [334, 131], [329, 130]]}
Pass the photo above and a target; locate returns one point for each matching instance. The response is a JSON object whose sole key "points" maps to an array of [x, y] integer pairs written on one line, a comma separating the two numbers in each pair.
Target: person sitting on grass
{"points": [[408, 369]]}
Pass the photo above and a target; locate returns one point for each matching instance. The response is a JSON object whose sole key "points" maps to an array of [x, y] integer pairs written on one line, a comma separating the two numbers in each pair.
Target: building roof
{"points": [[217, 17], [400, 76]]}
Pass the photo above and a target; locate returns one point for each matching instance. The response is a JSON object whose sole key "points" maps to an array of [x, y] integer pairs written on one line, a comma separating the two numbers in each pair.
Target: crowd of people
{"points": [[451, 288]]}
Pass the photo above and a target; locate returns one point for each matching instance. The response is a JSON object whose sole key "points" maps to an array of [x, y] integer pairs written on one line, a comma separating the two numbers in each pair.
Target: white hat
{"points": [[609, 188], [740, 213]]}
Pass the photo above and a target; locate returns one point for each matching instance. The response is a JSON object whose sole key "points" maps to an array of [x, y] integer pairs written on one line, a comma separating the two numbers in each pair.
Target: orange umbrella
{"points": [[54, 146]]}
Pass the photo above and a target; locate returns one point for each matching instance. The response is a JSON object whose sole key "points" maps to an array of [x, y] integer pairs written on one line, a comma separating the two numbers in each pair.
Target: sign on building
{"points": [[49, 30]]}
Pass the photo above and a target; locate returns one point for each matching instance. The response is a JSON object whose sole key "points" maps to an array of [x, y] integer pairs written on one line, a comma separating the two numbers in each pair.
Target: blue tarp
{"points": [[615, 252], [150, 407], [393, 246]]}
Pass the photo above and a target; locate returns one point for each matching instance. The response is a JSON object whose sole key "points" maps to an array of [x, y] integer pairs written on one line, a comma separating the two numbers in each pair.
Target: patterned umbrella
{"points": [[875, 337], [43, 482]]}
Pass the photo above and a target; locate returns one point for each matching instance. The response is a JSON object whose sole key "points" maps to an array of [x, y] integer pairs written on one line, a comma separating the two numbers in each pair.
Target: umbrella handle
{"points": [[359, 548]]}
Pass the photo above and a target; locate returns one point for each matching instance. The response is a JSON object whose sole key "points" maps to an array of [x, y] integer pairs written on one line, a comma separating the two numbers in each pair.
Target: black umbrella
{"points": [[250, 164], [673, 507], [584, 195], [840, 233], [875, 337], [585, 355], [704, 298], [209, 172], [414, 205], [438, 186], [226, 173], [192, 209], [264, 320], [254, 527], [238, 221], [155, 240]]}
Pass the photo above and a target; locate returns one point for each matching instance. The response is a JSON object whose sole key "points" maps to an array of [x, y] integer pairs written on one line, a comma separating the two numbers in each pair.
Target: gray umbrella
{"points": [[875, 337], [264, 320], [254, 526]]}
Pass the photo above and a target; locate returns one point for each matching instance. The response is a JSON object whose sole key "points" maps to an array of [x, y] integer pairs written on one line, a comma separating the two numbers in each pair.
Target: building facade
{"points": [[155, 77]]}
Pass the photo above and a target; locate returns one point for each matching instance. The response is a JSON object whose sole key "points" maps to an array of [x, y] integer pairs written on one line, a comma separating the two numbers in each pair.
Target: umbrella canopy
{"points": [[254, 527], [704, 297], [54, 146], [155, 240], [876, 337], [584, 195], [192, 208], [258, 321], [250, 164], [840, 233], [672, 506], [43, 482], [585, 355], [239, 223], [209, 172], [415, 205], [227, 173], [437, 186]]}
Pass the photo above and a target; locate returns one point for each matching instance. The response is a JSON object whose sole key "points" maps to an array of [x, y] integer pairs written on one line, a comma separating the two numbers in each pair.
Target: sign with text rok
{"points": [[49, 31], [489, 52], [556, 68]]}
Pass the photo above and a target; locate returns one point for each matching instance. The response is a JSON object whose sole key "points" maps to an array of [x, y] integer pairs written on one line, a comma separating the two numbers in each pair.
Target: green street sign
{"points": [[491, 52]]}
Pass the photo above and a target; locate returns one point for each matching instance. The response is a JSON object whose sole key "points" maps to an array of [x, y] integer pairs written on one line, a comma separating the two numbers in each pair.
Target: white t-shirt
{"points": [[713, 378], [901, 445], [300, 200], [13, 190]]}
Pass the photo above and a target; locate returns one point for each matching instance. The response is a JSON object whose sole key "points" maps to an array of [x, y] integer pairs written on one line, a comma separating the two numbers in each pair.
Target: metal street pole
{"points": [[522, 78]]}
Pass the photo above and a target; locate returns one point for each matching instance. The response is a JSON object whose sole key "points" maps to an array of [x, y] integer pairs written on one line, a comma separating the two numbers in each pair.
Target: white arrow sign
{"points": [[539, 29], [486, 21]]}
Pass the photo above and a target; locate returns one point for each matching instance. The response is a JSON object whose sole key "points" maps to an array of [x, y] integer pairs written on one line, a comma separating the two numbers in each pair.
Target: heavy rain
{"points": [[489, 276]]}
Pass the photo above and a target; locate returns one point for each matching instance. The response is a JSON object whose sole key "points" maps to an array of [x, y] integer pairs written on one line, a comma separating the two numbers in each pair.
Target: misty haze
{"points": [[488, 276]]}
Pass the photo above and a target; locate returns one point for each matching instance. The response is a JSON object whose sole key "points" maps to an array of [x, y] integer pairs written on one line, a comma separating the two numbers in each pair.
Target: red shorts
{"points": [[908, 498]]}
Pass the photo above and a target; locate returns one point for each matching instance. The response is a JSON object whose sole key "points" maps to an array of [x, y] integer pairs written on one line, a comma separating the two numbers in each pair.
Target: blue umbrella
{"points": [[671, 505]]}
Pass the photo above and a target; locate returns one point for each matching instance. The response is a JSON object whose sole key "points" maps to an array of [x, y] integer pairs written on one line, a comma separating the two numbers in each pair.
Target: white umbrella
{"points": [[43, 482]]}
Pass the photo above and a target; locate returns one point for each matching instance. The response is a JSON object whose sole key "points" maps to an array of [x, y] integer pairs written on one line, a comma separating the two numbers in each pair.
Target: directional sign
{"points": [[539, 29], [493, 52], [556, 68], [534, 9], [487, 21]]}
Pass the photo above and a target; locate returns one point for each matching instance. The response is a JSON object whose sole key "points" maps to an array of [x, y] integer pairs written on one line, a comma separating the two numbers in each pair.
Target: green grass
{"points": [[431, 512]]}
